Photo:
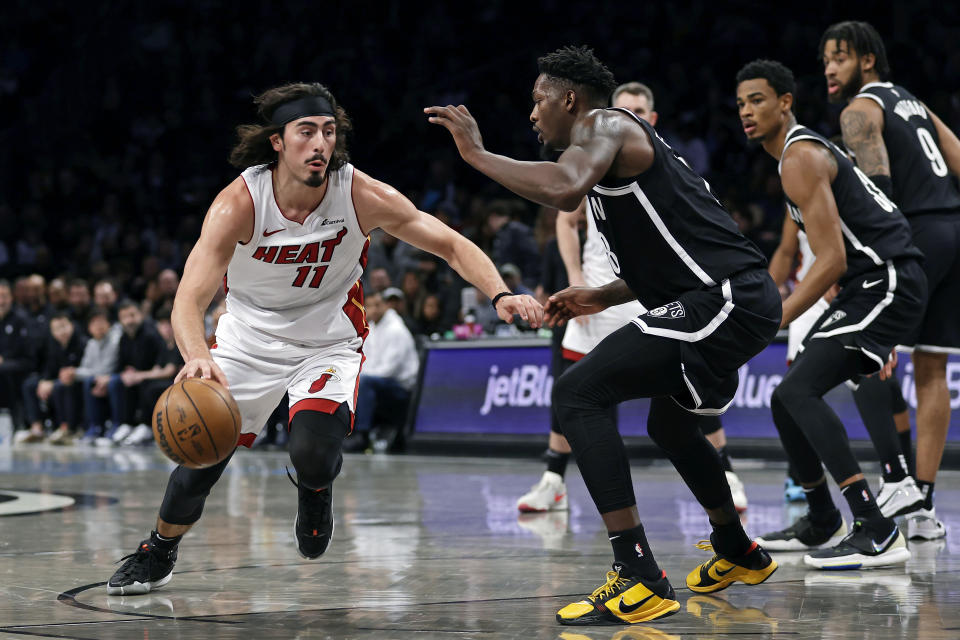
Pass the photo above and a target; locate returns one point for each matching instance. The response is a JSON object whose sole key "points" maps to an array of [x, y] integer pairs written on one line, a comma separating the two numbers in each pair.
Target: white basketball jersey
{"points": [[806, 256], [300, 283], [595, 263]]}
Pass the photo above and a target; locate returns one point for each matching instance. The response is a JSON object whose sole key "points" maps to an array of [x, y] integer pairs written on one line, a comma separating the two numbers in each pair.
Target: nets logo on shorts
{"points": [[330, 373], [836, 316], [672, 310]]}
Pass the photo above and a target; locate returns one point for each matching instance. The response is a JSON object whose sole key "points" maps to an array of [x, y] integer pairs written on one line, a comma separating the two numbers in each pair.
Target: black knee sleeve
{"points": [[187, 491], [897, 402], [710, 424], [316, 443]]}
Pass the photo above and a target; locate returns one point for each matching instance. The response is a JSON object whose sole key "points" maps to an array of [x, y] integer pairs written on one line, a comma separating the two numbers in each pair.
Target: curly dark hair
{"points": [[579, 67], [254, 145], [778, 75], [862, 38]]}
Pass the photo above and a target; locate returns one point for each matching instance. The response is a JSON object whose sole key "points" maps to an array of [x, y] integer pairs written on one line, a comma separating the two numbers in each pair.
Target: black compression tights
{"points": [[809, 429], [316, 441], [630, 364]]}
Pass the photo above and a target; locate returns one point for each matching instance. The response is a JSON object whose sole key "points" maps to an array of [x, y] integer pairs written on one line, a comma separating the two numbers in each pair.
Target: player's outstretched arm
{"points": [[380, 205], [228, 221], [806, 172], [562, 184], [949, 144]]}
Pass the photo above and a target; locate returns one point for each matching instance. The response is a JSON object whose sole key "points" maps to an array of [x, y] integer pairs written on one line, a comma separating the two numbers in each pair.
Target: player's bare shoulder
{"points": [[231, 216], [377, 202], [808, 158]]}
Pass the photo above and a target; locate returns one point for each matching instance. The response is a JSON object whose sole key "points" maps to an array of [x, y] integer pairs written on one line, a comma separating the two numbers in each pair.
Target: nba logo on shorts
{"points": [[638, 549]]}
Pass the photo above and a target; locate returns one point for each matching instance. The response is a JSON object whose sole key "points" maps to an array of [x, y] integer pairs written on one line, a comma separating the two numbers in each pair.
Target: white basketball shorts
{"points": [[579, 339]]}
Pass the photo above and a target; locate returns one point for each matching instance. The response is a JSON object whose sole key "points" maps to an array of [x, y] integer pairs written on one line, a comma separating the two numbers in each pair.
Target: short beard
{"points": [[315, 179], [850, 89], [755, 142]]}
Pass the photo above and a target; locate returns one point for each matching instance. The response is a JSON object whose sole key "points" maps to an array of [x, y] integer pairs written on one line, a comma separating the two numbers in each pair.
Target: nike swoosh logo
{"points": [[723, 573], [558, 497], [867, 285], [879, 547], [267, 234], [630, 608]]}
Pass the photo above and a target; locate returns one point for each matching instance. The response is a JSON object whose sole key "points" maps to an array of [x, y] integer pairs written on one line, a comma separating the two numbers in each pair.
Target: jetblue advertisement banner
{"points": [[506, 389]]}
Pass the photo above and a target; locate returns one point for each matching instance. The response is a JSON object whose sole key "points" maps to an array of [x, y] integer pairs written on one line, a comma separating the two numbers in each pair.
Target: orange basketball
{"points": [[196, 423]]}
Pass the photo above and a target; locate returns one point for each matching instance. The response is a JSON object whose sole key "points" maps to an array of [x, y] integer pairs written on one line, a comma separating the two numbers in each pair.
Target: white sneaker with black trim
{"points": [[550, 494], [737, 491], [897, 498], [922, 524]]}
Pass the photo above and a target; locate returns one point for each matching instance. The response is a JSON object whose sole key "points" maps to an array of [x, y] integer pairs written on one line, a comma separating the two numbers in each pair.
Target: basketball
{"points": [[196, 423]]}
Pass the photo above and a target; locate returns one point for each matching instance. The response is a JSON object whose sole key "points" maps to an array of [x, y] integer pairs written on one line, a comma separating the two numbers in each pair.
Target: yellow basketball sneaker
{"points": [[623, 600], [721, 571]]}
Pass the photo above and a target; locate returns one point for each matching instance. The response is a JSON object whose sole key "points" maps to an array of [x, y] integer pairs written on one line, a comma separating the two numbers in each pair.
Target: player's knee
{"points": [[786, 397], [316, 442]]}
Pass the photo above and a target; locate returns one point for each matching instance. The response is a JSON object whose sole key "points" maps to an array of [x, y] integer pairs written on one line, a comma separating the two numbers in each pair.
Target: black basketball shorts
{"points": [[937, 235]]}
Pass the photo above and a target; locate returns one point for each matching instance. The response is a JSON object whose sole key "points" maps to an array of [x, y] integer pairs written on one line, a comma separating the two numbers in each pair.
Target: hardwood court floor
{"points": [[425, 547]]}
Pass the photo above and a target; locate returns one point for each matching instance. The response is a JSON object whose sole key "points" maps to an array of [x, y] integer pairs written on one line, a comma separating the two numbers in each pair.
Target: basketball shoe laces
{"points": [[144, 559], [614, 582]]}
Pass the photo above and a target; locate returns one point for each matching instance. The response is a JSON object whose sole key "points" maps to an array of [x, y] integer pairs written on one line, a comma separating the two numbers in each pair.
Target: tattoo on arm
{"points": [[864, 138]]}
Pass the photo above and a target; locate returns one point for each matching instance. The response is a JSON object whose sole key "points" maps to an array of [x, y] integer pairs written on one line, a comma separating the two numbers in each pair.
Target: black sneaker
{"points": [[314, 523], [148, 569], [803, 535], [863, 548]]}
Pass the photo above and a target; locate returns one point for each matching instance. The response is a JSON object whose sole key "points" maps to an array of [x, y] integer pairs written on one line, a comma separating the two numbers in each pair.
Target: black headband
{"points": [[300, 108]]}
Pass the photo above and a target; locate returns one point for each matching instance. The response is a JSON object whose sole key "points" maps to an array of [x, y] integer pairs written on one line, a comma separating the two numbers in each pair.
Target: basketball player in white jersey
{"points": [[291, 236], [593, 269]]}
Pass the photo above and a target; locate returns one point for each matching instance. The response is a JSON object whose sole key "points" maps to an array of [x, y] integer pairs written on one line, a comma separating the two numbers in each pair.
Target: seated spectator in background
{"points": [[78, 295], [514, 279], [105, 297], [161, 291], [46, 389], [397, 300], [138, 354], [412, 288], [16, 352], [513, 242], [57, 296], [30, 295], [378, 280], [428, 318], [477, 315], [98, 364], [389, 372], [387, 252], [155, 381]]}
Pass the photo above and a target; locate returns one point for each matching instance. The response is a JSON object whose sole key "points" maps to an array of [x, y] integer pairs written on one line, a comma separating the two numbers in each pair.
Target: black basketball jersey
{"points": [[921, 179], [665, 232], [874, 229]]}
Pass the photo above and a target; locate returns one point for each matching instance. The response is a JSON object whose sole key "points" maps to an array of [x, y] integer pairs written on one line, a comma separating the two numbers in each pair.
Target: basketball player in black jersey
{"points": [[862, 241], [913, 157], [712, 306]]}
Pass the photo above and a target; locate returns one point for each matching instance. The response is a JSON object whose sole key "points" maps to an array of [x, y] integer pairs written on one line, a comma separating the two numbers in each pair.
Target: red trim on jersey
{"points": [[363, 254], [353, 307], [252, 204], [226, 289], [285, 216], [323, 405], [353, 201], [572, 356], [246, 440]]}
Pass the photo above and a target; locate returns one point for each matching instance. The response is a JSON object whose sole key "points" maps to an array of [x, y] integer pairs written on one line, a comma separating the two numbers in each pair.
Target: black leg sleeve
{"points": [[187, 491], [875, 401], [316, 445]]}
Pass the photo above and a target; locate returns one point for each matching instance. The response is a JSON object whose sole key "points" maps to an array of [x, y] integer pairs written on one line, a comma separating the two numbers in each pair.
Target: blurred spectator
{"points": [[514, 279], [16, 354], [57, 296], [388, 375], [52, 390], [160, 292], [379, 279], [429, 316], [105, 297], [155, 381], [98, 364], [138, 357], [78, 296], [512, 242]]}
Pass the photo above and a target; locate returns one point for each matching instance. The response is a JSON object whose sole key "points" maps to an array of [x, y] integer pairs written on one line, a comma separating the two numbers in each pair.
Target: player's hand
{"points": [[890, 367], [523, 305], [461, 125], [573, 302], [202, 368]]}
